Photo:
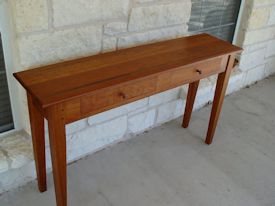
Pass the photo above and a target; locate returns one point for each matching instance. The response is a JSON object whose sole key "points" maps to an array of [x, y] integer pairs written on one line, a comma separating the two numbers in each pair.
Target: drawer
{"points": [[119, 95], [136, 89], [198, 71]]}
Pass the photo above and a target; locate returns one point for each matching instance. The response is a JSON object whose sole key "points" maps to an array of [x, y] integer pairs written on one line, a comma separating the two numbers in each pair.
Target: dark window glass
{"points": [[215, 17], [6, 121]]}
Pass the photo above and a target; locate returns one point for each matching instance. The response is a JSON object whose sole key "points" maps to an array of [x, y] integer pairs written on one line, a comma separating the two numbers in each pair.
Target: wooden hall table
{"points": [[72, 90]]}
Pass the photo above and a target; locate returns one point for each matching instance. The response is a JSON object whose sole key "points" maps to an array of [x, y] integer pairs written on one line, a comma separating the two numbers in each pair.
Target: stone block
{"points": [[151, 36], [271, 20], [46, 48], [270, 66], [141, 121], [119, 111], [109, 44], [213, 80], [235, 82], [252, 59], [115, 28], [156, 16], [254, 75], [30, 15], [108, 115], [144, 1], [205, 87], [204, 94], [15, 151], [163, 97], [96, 137], [258, 18], [169, 111], [69, 12], [262, 2], [254, 47], [140, 110], [76, 126], [270, 50], [260, 35]]}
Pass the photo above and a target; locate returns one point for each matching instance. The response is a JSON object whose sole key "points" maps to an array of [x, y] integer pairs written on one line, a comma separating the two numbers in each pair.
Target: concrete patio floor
{"points": [[172, 166]]}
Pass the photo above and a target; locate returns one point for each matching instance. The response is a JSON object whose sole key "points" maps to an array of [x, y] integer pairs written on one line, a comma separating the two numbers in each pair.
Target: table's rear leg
{"points": [[38, 141], [57, 137], [221, 86], [191, 96]]}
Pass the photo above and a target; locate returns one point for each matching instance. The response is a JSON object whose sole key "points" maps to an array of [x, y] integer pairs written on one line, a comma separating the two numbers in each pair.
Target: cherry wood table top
{"points": [[63, 81]]}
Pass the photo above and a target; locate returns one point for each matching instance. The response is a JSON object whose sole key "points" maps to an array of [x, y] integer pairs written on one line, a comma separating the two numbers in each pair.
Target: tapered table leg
{"points": [[221, 86], [57, 137], [191, 96], [38, 141]]}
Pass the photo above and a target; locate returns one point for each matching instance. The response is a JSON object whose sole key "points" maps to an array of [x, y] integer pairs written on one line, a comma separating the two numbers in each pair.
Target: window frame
{"points": [[236, 28], [9, 50], [238, 24]]}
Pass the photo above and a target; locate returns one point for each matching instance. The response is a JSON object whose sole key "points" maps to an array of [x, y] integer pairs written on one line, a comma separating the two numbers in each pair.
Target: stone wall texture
{"points": [[50, 31], [257, 37]]}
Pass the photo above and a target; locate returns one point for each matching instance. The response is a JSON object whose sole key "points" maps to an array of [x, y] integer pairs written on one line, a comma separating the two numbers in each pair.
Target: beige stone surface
{"points": [[46, 48], [141, 121], [164, 97], [115, 28], [96, 137], [30, 15], [155, 16], [259, 18], [262, 2], [151, 36], [15, 151], [271, 20], [69, 12], [109, 44], [260, 35], [270, 66]]}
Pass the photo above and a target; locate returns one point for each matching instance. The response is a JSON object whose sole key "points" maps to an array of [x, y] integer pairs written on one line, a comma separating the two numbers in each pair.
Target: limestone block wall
{"points": [[257, 37], [49, 31]]}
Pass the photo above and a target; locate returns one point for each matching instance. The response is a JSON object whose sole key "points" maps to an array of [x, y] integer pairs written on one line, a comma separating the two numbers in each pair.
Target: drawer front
{"points": [[134, 90], [112, 97], [197, 71], [115, 96]]}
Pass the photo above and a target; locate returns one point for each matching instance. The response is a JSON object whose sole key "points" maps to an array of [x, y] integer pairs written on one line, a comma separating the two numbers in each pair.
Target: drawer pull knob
{"points": [[198, 71], [121, 94]]}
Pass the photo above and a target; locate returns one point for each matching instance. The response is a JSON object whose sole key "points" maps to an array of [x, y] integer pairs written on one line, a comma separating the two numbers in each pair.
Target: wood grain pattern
{"points": [[57, 138], [64, 81], [192, 92], [123, 93], [38, 140], [117, 95], [221, 86]]}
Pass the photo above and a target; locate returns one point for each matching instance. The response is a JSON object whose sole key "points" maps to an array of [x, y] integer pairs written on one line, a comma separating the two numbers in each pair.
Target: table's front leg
{"points": [[57, 136], [38, 141], [221, 86]]}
